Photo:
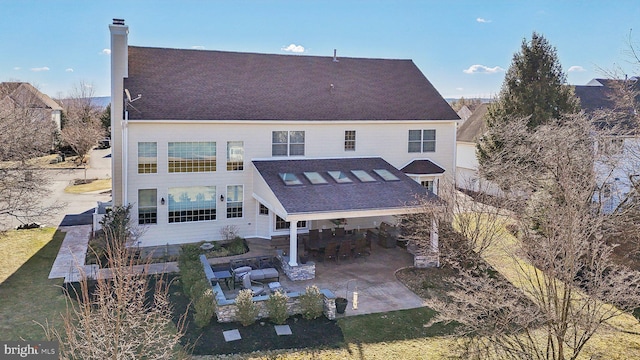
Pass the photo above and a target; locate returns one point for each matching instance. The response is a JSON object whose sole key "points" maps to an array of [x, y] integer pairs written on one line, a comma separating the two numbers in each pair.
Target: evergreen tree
{"points": [[534, 87]]}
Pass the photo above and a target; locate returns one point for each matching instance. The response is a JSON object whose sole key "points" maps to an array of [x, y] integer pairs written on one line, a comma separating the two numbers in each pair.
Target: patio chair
{"points": [[340, 233], [331, 251], [312, 244], [327, 235], [238, 273], [361, 249], [344, 252], [255, 287]]}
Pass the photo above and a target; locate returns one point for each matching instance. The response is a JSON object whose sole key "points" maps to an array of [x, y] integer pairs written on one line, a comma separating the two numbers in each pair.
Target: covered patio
{"points": [[313, 191]]}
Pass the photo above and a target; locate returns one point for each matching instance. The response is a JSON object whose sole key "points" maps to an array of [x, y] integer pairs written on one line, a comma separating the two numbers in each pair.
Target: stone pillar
{"points": [[293, 243]]}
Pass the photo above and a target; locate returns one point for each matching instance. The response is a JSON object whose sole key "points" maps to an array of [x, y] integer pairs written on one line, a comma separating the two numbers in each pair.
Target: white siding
{"points": [[388, 140]]}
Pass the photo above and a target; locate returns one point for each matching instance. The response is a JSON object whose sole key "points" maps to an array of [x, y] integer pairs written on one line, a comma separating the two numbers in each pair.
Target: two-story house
{"points": [[25, 96], [202, 140]]}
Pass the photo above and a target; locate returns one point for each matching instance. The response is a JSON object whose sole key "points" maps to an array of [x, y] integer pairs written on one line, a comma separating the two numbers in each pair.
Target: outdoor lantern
{"points": [[221, 197], [162, 201]]}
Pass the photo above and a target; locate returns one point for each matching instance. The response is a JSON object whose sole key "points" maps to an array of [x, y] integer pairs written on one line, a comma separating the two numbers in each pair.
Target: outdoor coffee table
{"points": [[223, 275]]}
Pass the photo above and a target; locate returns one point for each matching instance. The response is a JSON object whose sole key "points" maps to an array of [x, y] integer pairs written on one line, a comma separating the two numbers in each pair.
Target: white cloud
{"points": [[483, 20], [68, 70], [198, 47], [293, 48], [105, 52], [459, 89], [17, 68], [88, 86], [576, 68], [44, 68], [476, 69]]}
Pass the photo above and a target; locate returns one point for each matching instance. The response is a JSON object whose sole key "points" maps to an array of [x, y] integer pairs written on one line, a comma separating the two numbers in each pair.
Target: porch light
{"points": [[162, 201], [221, 197]]}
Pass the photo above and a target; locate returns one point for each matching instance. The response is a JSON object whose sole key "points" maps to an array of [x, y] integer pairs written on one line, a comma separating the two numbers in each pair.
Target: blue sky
{"points": [[463, 47]]}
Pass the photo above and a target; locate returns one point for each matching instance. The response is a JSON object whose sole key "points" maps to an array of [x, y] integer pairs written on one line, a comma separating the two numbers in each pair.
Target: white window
{"points": [[196, 203], [350, 140], [281, 224], [192, 157], [422, 141], [287, 143], [147, 206], [234, 201], [235, 155], [147, 158]]}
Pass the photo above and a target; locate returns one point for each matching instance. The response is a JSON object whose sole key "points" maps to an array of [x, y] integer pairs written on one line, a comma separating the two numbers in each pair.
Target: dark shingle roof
{"points": [[422, 167], [24, 94], [475, 126], [334, 197], [215, 85]]}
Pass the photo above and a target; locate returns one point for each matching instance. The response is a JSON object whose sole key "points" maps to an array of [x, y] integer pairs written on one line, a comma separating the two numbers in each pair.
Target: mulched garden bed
{"points": [[261, 336]]}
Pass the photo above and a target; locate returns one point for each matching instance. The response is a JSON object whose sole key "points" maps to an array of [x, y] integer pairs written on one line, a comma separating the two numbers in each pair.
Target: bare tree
{"points": [[575, 287], [116, 318], [26, 131], [82, 128]]}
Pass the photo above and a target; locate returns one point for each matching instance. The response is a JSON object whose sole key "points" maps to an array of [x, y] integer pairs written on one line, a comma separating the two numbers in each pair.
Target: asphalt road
{"points": [[76, 208]]}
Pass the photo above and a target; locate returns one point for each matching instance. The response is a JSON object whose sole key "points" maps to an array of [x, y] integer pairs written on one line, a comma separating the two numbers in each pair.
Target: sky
{"points": [[462, 47]]}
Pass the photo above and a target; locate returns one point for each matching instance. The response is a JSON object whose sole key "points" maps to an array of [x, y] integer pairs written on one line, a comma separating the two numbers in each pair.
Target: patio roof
{"points": [[312, 189], [422, 167]]}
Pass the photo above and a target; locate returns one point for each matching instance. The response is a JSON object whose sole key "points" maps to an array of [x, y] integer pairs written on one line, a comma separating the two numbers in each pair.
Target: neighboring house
{"points": [[467, 176], [464, 113], [596, 99], [202, 140], [24, 95], [620, 164]]}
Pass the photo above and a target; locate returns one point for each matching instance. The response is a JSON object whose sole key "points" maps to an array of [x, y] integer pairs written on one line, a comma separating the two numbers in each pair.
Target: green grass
{"points": [[392, 326], [96, 185], [27, 295]]}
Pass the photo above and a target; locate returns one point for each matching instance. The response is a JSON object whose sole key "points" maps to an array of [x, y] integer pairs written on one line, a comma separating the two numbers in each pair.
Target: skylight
{"points": [[339, 177], [386, 174], [315, 178], [363, 175], [290, 179]]}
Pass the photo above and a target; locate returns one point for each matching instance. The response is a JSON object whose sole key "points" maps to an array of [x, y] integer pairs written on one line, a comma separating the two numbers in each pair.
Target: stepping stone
{"points": [[282, 330], [231, 335]]}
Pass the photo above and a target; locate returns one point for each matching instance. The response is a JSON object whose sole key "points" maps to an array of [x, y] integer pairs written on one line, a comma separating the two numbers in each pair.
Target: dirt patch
{"points": [[428, 283]]}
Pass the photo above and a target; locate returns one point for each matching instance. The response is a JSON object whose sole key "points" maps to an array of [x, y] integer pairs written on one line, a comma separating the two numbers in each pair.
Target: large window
{"points": [[287, 143], [350, 140], [235, 155], [422, 141], [147, 158], [192, 157], [281, 224], [197, 203], [147, 206], [234, 201]]}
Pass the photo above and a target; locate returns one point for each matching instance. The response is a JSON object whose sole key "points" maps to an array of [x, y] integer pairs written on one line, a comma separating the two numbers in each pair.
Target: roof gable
{"points": [[475, 126], [214, 85], [25, 95]]}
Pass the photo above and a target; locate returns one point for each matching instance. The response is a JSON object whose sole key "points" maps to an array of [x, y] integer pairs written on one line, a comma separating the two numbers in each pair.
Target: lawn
{"points": [[27, 295], [95, 185]]}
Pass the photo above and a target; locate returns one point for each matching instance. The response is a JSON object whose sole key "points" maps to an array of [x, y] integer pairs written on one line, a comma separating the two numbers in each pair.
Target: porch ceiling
{"points": [[331, 199]]}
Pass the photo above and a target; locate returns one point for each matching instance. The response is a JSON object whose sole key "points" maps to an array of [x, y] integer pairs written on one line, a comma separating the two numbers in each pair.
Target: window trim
{"points": [[241, 202], [187, 214], [235, 165], [289, 143], [349, 140], [148, 220], [150, 165], [191, 164], [422, 141]]}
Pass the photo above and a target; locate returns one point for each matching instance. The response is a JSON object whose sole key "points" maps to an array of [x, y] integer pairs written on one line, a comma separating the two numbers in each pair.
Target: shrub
{"points": [[204, 307], [311, 303], [191, 270], [237, 246], [277, 307], [247, 309]]}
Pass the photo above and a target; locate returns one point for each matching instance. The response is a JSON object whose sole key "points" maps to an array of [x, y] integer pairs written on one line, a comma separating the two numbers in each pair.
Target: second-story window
{"points": [[235, 155], [147, 158], [287, 143], [422, 141], [350, 140], [192, 156]]}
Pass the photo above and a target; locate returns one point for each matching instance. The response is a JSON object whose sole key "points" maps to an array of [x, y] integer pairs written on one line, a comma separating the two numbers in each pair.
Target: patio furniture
{"points": [[312, 244], [223, 275], [255, 287], [344, 251], [238, 273], [340, 233], [361, 249], [331, 251], [327, 235]]}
